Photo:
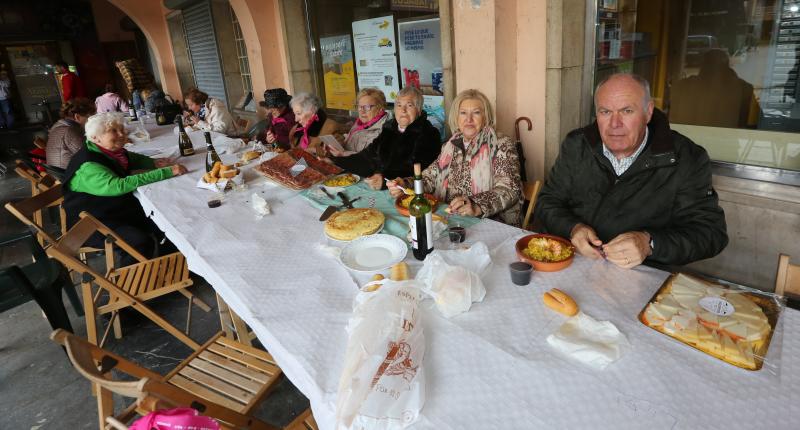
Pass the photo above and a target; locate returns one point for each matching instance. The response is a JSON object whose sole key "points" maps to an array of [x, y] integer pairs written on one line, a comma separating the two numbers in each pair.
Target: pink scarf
{"points": [[304, 139], [278, 120], [121, 155], [359, 125]]}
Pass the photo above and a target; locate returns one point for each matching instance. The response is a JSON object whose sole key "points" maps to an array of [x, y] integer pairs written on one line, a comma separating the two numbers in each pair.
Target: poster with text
{"points": [[375, 52], [337, 68], [421, 55]]}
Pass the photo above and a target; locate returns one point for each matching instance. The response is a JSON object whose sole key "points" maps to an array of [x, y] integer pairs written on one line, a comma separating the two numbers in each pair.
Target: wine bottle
{"points": [[184, 143], [131, 110], [211, 153], [420, 219]]}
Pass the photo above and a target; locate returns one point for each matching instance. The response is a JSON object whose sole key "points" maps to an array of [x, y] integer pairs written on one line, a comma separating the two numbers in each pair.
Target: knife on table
{"points": [[327, 193], [345, 199], [330, 210]]}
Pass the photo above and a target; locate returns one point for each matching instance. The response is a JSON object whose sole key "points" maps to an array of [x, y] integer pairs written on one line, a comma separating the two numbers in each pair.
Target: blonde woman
{"points": [[477, 172]]}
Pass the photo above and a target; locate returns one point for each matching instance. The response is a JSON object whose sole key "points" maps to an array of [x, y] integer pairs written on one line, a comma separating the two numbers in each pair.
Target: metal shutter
{"points": [[199, 27]]}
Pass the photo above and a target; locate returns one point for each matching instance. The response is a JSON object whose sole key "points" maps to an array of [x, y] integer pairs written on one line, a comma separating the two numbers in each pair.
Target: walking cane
{"points": [[520, 154]]}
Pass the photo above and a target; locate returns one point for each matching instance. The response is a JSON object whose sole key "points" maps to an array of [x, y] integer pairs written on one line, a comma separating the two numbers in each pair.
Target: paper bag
{"points": [[383, 383], [453, 278]]}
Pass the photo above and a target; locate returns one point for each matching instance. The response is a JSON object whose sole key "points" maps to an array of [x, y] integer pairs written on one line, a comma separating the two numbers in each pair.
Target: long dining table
{"points": [[488, 368]]}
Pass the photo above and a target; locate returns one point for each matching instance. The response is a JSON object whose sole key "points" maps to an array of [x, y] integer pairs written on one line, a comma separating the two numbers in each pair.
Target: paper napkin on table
{"points": [[592, 342]]}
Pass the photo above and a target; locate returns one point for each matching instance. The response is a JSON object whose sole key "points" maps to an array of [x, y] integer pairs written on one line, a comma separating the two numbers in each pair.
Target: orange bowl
{"points": [[404, 211], [544, 266]]}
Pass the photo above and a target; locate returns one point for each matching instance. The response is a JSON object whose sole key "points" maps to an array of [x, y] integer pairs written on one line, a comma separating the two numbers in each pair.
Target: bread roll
{"points": [[399, 272], [560, 301], [215, 169], [227, 174]]}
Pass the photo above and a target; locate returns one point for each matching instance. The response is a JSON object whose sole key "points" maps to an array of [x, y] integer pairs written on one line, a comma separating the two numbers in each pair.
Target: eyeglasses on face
{"points": [[365, 108]]}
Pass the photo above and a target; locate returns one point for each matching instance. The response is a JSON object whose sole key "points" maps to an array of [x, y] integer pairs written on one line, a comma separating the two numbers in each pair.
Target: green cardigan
{"points": [[98, 180]]}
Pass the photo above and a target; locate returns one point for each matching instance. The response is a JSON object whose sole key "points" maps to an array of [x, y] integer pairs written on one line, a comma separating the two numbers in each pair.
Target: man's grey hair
{"points": [[638, 79], [306, 102], [414, 93]]}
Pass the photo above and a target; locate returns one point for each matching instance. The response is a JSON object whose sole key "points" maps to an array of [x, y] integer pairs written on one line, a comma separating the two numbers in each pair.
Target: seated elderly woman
{"points": [[406, 139], [371, 104], [478, 170], [208, 113], [99, 180], [312, 122], [66, 135], [280, 119]]}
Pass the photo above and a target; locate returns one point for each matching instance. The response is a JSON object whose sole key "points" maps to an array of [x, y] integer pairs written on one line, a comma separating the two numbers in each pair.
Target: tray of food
{"points": [[297, 169], [728, 322]]}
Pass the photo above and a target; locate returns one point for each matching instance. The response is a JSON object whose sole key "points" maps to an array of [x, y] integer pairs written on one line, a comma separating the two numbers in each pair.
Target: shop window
{"points": [[244, 61], [386, 44], [724, 71]]}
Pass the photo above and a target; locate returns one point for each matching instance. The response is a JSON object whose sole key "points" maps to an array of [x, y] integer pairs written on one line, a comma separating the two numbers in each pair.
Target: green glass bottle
{"points": [[420, 213], [184, 143], [211, 153]]}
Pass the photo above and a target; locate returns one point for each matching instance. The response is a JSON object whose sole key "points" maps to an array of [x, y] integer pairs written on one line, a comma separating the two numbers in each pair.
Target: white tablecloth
{"points": [[488, 368]]}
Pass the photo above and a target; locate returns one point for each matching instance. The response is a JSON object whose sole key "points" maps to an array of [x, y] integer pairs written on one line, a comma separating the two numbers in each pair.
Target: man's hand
{"points": [[464, 206], [586, 241], [629, 249], [178, 169], [375, 181]]}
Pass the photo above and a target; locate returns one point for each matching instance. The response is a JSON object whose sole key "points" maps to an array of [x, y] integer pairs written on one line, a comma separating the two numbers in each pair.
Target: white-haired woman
{"points": [[477, 171], [371, 105], [406, 139], [98, 180], [312, 122]]}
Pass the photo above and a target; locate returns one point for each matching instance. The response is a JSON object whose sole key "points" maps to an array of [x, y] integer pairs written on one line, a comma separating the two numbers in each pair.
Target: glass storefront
{"points": [[724, 71], [386, 44]]}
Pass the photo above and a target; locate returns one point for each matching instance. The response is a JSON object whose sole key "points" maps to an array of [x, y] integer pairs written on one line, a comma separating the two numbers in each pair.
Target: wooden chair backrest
{"points": [[27, 210], [788, 279], [84, 355], [530, 190], [39, 181], [68, 248]]}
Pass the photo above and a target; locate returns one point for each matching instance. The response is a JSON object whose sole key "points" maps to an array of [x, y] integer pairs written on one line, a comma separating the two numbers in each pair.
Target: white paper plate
{"points": [[373, 253]]}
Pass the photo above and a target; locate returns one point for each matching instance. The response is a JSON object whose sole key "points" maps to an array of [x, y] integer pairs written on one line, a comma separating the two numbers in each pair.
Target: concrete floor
{"points": [[40, 390]]}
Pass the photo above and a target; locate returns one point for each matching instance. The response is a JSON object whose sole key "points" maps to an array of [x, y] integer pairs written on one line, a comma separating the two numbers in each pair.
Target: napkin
{"points": [[260, 205], [592, 342], [453, 278]]}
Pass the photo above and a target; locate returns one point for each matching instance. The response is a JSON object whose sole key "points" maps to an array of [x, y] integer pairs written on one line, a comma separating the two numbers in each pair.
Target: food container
{"points": [[545, 266], [732, 323]]}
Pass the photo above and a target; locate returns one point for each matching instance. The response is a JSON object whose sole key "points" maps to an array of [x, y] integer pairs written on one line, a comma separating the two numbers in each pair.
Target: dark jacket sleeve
{"points": [[427, 149], [698, 227], [367, 161], [552, 206]]}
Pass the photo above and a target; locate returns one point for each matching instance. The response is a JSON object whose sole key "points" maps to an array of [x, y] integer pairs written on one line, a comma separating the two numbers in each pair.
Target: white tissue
{"points": [[260, 205], [453, 278], [330, 251], [592, 342]]}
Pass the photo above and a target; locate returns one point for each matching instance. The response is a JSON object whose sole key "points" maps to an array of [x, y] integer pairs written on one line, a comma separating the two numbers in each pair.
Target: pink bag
{"points": [[175, 419]]}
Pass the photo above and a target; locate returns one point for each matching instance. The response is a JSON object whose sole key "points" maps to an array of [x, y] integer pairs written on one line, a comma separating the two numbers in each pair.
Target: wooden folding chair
{"points": [[223, 379], [232, 324], [788, 279], [530, 191], [29, 211], [40, 182], [128, 286]]}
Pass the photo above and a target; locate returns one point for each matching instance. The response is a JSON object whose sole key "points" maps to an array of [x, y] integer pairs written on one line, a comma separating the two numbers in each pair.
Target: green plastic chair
{"points": [[41, 281]]}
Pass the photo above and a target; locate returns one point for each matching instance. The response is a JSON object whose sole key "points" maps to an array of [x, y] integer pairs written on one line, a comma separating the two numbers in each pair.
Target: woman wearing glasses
{"points": [[406, 139], [371, 117]]}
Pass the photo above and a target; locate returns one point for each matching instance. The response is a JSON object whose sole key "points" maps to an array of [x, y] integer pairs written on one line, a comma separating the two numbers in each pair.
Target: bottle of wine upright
{"points": [[184, 143], [132, 110], [211, 153], [420, 213]]}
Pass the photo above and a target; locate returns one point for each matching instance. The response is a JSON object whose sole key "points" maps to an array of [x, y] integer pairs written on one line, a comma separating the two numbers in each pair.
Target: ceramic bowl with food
{"points": [[341, 181], [547, 253], [401, 203]]}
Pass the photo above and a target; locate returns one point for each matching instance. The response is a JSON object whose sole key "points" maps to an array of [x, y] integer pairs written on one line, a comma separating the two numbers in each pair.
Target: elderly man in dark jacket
{"points": [[628, 188]]}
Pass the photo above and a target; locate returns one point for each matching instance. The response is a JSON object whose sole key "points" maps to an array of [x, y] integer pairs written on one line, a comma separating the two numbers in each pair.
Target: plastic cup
{"points": [[520, 272]]}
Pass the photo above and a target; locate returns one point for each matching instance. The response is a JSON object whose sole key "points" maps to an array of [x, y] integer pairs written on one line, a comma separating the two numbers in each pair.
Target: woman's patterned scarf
{"points": [[304, 140], [479, 154], [120, 156], [362, 125]]}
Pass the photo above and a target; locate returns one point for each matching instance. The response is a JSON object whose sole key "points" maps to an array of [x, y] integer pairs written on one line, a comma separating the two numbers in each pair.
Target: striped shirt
{"points": [[621, 165]]}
